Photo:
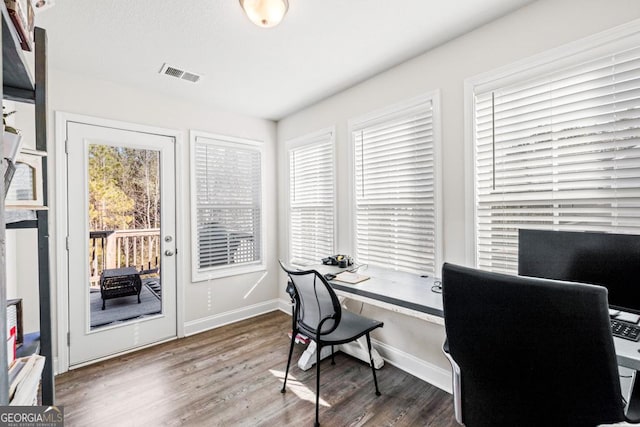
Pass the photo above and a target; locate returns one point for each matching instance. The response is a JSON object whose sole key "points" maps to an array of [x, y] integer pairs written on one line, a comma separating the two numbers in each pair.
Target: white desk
{"points": [[628, 353], [396, 291], [411, 295]]}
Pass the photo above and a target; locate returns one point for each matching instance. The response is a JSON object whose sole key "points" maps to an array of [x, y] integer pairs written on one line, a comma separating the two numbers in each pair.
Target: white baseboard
{"points": [[228, 317], [284, 306], [422, 369]]}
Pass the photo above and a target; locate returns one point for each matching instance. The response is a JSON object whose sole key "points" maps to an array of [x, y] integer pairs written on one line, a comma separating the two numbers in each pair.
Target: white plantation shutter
{"points": [[566, 155], [228, 204], [311, 200], [394, 190]]}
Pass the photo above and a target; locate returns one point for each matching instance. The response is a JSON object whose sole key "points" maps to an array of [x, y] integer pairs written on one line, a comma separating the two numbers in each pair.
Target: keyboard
{"points": [[625, 330]]}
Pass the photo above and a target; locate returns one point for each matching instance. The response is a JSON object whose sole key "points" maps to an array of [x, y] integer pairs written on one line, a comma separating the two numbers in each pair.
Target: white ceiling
{"points": [[321, 47]]}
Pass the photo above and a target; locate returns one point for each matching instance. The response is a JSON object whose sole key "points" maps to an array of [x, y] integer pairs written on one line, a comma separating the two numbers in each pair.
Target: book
{"points": [[11, 346], [24, 387], [300, 339], [14, 371], [349, 277]]}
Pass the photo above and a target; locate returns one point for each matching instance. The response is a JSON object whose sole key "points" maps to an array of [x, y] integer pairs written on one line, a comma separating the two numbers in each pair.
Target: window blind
{"points": [[560, 151], [228, 203], [394, 190], [311, 200]]}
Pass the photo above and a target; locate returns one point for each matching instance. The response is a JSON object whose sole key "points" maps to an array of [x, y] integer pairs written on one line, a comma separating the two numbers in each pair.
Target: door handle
{"points": [[168, 252]]}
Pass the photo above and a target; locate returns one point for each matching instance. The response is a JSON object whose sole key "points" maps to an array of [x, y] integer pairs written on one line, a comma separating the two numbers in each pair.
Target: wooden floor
{"points": [[231, 376]]}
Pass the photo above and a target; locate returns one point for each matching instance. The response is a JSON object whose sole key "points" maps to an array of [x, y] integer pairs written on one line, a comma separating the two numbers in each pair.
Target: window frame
{"points": [[570, 54], [301, 141], [197, 274], [386, 113]]}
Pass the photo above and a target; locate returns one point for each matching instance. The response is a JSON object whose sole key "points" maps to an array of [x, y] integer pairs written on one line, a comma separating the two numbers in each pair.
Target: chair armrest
{"points": [[321, 323]]}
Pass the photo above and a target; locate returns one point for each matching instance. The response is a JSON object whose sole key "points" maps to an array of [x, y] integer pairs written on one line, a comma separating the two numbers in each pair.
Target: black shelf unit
{"points": [[18, 85]]}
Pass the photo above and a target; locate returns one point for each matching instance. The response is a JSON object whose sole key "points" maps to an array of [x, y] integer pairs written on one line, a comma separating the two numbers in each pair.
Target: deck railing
{"points": [[139, 248]]}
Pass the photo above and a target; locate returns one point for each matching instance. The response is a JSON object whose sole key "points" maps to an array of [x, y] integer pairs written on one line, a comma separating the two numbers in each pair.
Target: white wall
{"points": [[540, 26], [10, 262], [206, 304], [22, 282]]}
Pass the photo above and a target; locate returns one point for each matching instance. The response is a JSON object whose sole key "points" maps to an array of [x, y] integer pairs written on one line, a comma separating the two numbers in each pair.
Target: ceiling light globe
{"points": [[265, 13]]}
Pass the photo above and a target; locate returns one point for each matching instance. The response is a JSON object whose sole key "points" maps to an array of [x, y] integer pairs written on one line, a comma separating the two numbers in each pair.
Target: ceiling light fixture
{"points": [[265, 13]]}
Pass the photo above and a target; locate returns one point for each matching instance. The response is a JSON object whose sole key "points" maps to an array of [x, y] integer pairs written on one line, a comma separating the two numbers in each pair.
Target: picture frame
{"points": [[26, 188]]}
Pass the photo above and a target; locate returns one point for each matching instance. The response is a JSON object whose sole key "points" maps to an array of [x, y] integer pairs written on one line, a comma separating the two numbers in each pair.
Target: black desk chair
{"points": [[317, 314], [529, 352]]}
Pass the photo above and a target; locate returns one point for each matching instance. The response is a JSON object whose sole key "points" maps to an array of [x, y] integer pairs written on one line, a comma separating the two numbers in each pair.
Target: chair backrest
{"points": [[530, 351], [316, 303]]}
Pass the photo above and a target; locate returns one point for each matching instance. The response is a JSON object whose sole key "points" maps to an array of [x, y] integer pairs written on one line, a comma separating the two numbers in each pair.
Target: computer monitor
{"points": [[609, 260]]}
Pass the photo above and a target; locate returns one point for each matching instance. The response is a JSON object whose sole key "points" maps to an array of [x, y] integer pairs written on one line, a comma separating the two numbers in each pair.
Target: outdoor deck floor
{"points": [[126, 308]]}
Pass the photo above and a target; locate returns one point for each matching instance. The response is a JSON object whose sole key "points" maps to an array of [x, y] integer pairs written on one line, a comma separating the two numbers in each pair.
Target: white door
{"points": [[121, 214]]}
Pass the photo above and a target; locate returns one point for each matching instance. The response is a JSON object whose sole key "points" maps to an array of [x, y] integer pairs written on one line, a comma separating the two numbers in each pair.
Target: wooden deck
{"points": [[231, 376]]}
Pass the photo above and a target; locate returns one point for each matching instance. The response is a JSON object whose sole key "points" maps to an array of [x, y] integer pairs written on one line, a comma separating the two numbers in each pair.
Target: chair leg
{"points": [[318, 350], [373, 369], [286, 373], [333, 360]]}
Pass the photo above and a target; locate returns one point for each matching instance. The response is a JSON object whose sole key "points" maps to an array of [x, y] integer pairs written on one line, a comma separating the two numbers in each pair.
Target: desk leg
{"points": [[358, 349], [308, 358], [632, 387]]}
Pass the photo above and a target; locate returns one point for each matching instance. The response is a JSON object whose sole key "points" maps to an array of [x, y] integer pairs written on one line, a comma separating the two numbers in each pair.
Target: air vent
{"points": [[173, 72], [190, 77], [180, 74]]}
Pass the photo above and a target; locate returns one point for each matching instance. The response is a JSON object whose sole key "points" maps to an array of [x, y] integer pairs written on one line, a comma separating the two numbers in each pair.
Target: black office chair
{"points": [[529, 352], [317, 314]]}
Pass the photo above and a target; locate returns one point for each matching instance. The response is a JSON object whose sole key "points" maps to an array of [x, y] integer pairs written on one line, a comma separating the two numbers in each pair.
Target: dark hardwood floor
{"points": [[231, 376]]}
